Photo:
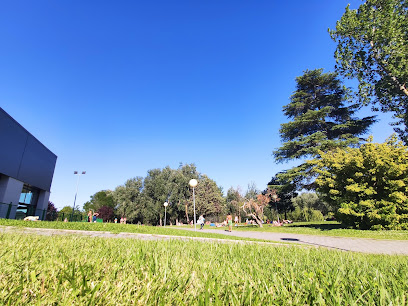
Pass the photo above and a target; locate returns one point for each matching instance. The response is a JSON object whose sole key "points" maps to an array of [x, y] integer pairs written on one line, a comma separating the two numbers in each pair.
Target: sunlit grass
{"points": [[119, 228], [77, 270], [328, 228]]}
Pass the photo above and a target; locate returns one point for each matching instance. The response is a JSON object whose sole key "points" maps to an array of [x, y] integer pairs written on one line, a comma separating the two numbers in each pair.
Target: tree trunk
{"points": [[257, 219], [188, 220]]}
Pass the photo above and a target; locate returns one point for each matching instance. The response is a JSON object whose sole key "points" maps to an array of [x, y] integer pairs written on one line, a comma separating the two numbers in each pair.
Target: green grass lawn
{"points": [[120, 228], [78, 270], [327, 228]]}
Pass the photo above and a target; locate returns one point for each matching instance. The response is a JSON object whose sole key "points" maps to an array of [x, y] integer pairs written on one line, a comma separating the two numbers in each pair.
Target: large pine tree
{"points": [[322, 118]]}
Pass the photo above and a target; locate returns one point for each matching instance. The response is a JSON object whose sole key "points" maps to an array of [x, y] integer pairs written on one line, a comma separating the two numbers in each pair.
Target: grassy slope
{"points": [[75, 270]]}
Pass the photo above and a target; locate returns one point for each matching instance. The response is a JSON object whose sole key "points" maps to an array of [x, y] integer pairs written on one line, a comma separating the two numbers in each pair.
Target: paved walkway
{"points": [[363, 245], [339, 243]]}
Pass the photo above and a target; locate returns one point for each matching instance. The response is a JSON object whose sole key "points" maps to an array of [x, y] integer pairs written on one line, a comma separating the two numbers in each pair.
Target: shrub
{"points": [[368, 185]]}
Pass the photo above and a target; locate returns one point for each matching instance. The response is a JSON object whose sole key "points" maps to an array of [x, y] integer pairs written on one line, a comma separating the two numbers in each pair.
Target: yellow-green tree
{"points": [[368, 185]]}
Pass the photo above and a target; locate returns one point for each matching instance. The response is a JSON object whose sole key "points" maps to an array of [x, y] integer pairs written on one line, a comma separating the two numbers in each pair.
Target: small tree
{"points": [[255, 208], [368, 185], [106, 213], [52, 212]]}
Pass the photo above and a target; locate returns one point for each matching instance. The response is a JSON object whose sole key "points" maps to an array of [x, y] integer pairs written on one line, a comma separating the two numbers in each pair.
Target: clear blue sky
{"points": [[120, 87]]}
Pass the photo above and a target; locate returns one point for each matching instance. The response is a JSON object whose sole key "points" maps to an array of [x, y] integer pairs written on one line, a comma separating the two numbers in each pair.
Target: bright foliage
{"points": [[368, 185]]}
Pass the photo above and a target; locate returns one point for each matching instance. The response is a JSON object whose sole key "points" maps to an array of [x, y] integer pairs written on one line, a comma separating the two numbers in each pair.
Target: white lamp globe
{"points": [[193, 183], [165, 204]]}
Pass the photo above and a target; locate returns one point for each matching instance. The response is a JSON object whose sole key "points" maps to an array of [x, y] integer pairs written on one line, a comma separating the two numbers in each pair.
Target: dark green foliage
{"points": [[322, 120], [100, 199], [129, 199], [52, 212], [234, 201], [142, 199], [308, 207], [285, 191], [372, 46]]}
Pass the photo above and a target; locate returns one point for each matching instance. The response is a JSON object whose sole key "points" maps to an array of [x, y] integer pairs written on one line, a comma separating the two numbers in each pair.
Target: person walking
{"points": [[236, 220], [202, 221]]}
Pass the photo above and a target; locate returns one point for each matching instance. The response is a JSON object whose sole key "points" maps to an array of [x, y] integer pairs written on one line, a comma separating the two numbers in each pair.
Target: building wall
{"points": [[23, 160], [22, 156]]}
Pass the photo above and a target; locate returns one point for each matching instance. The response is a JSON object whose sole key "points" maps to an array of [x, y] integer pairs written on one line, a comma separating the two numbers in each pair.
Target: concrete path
{"points": [[340, 243]]}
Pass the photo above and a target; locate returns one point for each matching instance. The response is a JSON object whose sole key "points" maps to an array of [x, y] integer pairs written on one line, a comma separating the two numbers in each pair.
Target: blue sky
{"points": [[116, 88]]}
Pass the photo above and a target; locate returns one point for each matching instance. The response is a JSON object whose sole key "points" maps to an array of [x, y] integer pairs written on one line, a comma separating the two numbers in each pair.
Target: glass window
{"points": [[28, 201]]}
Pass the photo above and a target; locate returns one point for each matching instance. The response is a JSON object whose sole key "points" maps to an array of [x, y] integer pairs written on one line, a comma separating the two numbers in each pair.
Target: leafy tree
{"points": [[106, 213], [66, 212], [368, 185], [233, 201], [285, 190], [52, 212], [311, 200], [308, 207], [179, 192], [129, 199], [322, 119], [372, 46], [100, 199], [141, 200], [209, 199], [252, 192]]}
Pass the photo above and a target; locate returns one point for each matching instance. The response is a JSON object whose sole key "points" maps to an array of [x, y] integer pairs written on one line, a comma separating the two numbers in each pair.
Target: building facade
{"points": [[26, 171]]}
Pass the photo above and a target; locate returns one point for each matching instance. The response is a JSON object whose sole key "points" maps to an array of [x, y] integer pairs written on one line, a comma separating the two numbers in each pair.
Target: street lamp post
{"points": [[165, 206], [193, 183], [76, 192], [275, 198]]}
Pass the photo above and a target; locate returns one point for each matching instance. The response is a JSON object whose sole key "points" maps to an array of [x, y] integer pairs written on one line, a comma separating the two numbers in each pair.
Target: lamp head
{"points": [[193, 183], [165, 204]]}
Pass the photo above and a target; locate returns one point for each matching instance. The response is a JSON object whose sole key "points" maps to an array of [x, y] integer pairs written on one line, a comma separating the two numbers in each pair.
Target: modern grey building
{"points": [[26, 171]]}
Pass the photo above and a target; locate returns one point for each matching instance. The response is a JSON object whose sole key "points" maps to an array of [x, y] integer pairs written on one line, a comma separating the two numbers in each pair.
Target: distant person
{"points": [[229, 222], [116, 220], [201, 221], [90, 215], [236, 220], [94, 217]]}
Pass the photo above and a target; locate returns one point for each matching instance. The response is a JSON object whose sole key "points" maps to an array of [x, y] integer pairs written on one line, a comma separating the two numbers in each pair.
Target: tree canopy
{"points": [[100, 199], [322, 119], [372, 46], [367, 185], [141, 199]]}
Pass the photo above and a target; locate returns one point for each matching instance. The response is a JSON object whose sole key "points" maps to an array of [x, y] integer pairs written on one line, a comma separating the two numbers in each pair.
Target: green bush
{"points": [[368, 185]]}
